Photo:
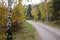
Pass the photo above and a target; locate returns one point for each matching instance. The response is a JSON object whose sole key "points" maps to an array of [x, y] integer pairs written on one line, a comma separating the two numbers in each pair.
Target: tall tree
{"points": [[46, 9], [34, 12], [39, 13], [29, 16], [18, 12]]}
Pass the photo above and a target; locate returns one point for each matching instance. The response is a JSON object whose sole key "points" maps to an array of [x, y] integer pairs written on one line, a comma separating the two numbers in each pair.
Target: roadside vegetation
{"points": [[54, 24], [23, 31], [27, 32]]}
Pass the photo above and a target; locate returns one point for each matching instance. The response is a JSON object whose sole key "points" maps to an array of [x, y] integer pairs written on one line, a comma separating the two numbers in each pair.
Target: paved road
{"points": [[46, 32]]}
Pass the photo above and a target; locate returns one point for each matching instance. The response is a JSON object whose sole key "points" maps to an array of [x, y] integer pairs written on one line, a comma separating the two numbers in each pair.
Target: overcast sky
{"points": [[31, 2], [24, 2]]}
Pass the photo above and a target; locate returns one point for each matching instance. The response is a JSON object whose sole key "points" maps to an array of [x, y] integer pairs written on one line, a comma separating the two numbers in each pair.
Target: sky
{"points": [[31, 2], [24, 2]]}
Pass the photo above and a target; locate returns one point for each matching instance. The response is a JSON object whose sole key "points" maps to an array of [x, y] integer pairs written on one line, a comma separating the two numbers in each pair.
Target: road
{"points": [[46, 32]]}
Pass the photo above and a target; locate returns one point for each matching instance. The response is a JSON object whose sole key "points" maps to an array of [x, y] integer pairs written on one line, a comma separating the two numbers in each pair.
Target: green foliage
{"points": [[39, 12], [56, 8], [42, 10], [55, 0]]}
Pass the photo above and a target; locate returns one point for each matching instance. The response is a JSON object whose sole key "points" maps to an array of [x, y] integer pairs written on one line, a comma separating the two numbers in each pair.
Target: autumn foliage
{"points": [[3, 14]]}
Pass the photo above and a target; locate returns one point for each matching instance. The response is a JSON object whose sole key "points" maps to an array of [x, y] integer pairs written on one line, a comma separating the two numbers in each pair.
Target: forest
{"points": [[47, 12]]}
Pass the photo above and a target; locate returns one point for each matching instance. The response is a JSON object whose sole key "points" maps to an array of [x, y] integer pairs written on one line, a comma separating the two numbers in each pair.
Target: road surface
{"points": [[46, 32]]}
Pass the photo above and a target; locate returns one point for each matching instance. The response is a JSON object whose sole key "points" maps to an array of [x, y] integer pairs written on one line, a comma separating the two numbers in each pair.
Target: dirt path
{"points": [[46, 32]]}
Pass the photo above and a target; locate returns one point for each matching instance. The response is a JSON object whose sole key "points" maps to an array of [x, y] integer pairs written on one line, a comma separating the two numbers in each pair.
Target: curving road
{"points": [[46, 32]]}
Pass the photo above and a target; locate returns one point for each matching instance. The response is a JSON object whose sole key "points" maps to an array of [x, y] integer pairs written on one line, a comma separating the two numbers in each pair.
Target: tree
{"points": [[3, 14], [46, 10], [42, 10], [34, 12], [56, 8], [18, 12], [39, 13], [29, 16]]}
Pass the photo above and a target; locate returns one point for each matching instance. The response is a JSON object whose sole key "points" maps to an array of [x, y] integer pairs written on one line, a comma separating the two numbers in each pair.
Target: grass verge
{"points": [[54, 24], [28, 32]]}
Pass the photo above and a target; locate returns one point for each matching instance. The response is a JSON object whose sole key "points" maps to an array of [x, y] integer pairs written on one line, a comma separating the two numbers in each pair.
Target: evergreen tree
{"points": [[29, 16]]}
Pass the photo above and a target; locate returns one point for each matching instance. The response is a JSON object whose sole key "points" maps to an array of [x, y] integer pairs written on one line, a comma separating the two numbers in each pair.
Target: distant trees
{"points": [[42, 8], [45, 11], [29, 16], [50, 10], [34, 12], [39, 13], [56, 8]]}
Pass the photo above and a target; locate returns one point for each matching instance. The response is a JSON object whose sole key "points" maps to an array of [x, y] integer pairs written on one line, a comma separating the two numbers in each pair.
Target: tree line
{"points": [[46, 11]]}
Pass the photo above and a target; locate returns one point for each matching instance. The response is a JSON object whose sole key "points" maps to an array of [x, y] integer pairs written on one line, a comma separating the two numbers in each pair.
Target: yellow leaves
{"points": [[34, 11], [18, 13], [3, 14], [35, 17], [43, 8]]}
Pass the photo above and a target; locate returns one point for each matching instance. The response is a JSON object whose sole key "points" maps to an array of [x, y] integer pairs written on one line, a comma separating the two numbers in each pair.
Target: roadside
{"points": [[55, 24], [27, 33]]}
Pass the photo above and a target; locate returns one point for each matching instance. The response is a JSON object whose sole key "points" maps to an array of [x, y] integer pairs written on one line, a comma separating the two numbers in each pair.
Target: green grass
{"points": [[54, 24], [26, 33]]}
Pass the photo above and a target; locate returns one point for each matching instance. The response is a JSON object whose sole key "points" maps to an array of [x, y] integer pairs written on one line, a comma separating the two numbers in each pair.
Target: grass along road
{"points": [[27, 33], [55, 24]]}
